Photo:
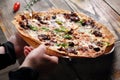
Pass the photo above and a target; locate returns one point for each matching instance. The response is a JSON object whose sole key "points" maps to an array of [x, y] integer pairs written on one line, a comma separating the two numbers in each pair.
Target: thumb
{"points": [[40, 49]]}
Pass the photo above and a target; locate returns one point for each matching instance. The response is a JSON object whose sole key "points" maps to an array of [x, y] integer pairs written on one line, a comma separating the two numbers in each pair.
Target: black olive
{"points": [[23, 17], [99, 44], [97, 49], [42, 22], [83, 22], [73, 14], [71, 31], [90, 22], [67, 16], [44, 37], [71, 44], [22, 24], [97, 33], [75, 19], [37, 17], [54, 17], [90, 46]]}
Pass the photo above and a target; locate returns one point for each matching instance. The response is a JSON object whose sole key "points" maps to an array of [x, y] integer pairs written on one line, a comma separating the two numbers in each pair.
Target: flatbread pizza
{"points": [[65, 33]]}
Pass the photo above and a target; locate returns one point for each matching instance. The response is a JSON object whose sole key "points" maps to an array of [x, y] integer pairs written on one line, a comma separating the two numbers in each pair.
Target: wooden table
{"points": [[105, 11]]}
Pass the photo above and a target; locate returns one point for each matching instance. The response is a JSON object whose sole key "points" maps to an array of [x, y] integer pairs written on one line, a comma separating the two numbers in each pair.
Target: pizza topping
{"points": [[83, 49], [61, 49], [91, 46], [37, 17], [97, 49], [43, 37], [70, 31], [23, 17], [71, 44], [83, 22], [67, 32], [59, 22], [97, 33], [71, 50], [23, 25], [54, 17], [72, 16], [34, 28], [67, 36], [90, 22], [100, 44]]}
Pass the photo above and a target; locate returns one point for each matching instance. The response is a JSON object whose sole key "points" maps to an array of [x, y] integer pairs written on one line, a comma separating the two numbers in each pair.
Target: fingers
{"points": [[42, 50], [52, 59], [27, 50]]}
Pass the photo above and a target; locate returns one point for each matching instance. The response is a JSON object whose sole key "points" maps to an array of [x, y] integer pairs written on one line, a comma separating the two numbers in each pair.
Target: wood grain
{"points": [[7, 16], [114, 4]]}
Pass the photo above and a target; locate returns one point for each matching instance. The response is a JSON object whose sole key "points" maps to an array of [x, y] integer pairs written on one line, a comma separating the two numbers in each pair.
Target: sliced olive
{"points": [[97, 49], [71, 44], [44, 37], [97, 33], [54, 17]]}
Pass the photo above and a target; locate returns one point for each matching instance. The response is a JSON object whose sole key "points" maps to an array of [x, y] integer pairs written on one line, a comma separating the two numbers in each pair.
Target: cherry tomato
{"points": [[16, 6]]}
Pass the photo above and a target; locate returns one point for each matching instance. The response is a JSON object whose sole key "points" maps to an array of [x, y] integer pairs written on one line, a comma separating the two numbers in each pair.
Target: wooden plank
{"points": [[115, 4], [112, 18], [2, 37], [39, 5], [101, 12], [7, 16]]}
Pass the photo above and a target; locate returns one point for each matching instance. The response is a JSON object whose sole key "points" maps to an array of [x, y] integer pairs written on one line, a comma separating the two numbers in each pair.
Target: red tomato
{"points": [[16, 6]]}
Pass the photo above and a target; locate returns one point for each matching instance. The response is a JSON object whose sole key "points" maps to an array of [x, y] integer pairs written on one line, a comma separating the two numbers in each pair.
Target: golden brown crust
{"points": [[34, 42]]}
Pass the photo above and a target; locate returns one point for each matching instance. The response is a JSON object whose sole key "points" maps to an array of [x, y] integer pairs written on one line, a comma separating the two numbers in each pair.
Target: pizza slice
{"points": [[65, 33]]}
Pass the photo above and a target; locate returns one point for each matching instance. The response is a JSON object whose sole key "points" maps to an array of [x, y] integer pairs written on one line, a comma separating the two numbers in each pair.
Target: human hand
{"points": [[19, 44], [39, 60], [27, 50]]}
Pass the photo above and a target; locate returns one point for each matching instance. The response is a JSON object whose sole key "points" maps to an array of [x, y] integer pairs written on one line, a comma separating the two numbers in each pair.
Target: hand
{"points": [[19, 44], [39, 60]]}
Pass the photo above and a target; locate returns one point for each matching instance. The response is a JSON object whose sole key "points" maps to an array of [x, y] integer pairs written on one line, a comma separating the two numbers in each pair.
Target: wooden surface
{"points": [[106, 12]]}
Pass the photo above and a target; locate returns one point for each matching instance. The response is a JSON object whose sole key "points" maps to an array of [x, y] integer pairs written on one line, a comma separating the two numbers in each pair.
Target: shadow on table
{"points": [[100, 68]]}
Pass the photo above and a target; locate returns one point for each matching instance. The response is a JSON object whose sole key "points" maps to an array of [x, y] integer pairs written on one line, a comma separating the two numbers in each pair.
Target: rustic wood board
{"points": [[7, 16], [115, 4]]}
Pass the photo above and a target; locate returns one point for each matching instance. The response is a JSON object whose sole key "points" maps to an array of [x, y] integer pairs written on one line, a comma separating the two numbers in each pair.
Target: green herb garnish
{"points": [[44, 28], [63, 44], [67, 36], [61, 29], [34, 28], [107, 43], [59, 22], [31, 3]]}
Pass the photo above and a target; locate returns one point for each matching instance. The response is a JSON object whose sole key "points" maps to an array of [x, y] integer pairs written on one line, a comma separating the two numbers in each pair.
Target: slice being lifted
{"points": [[65, 33]]}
